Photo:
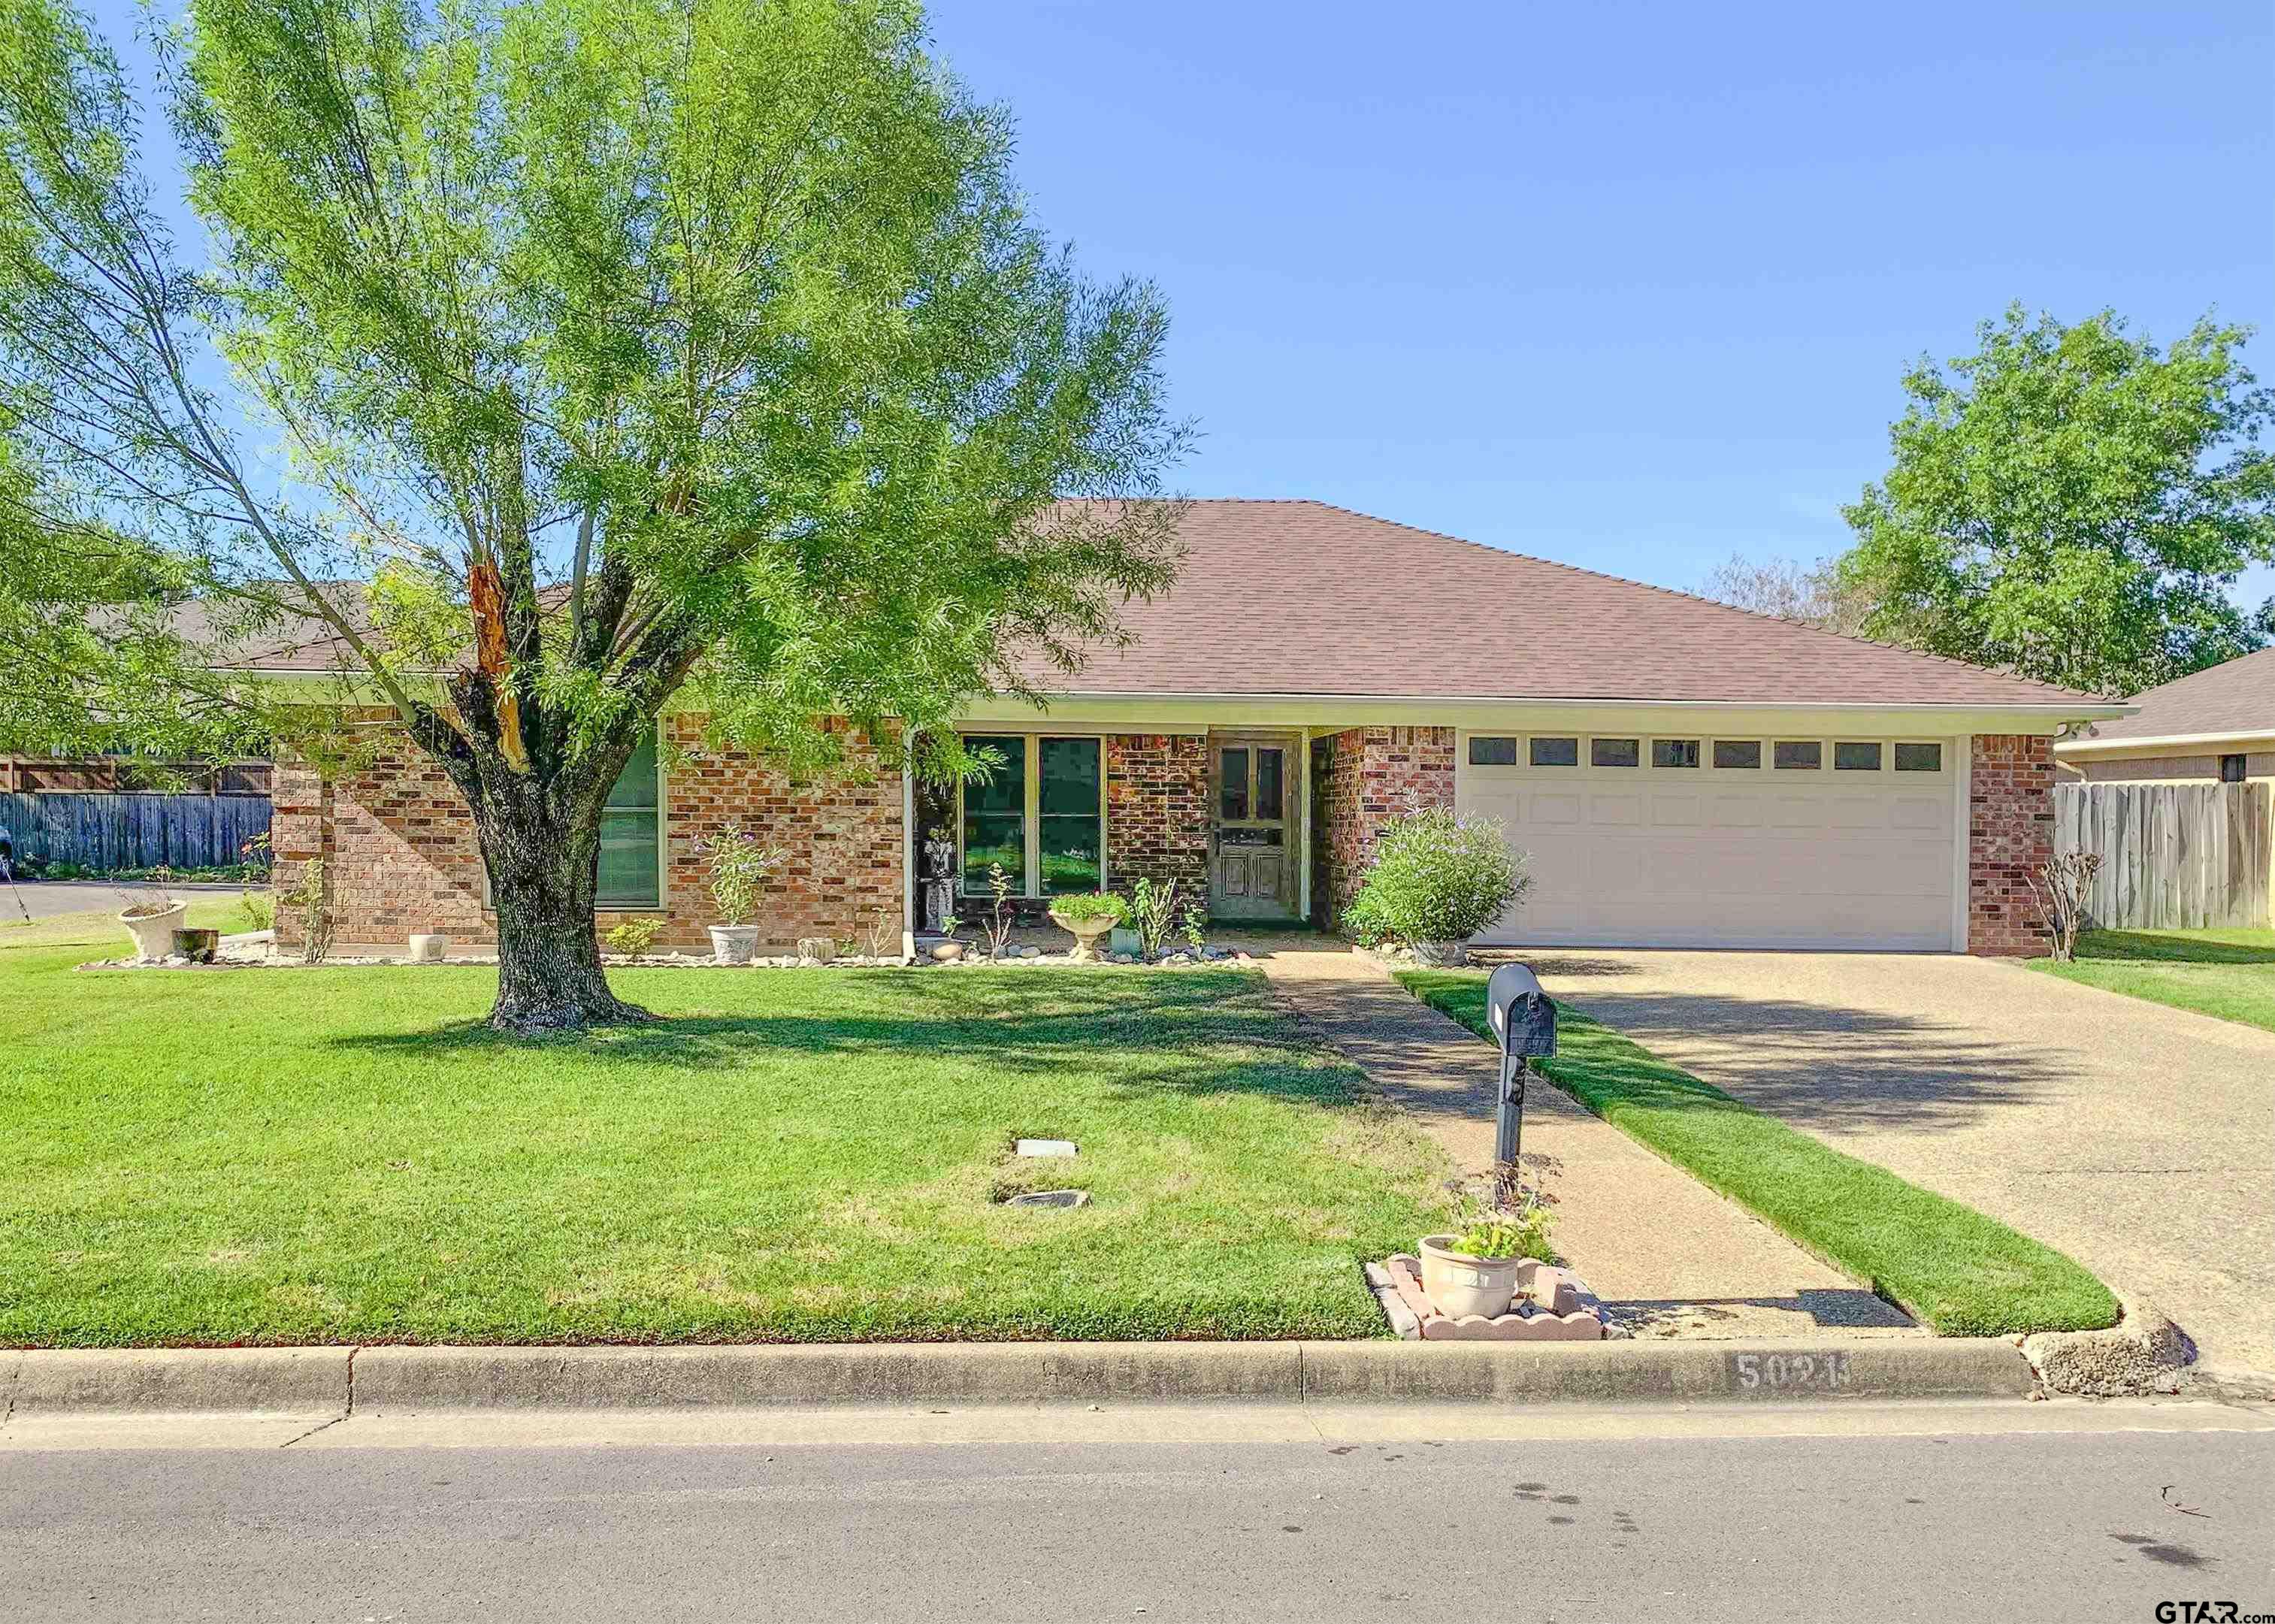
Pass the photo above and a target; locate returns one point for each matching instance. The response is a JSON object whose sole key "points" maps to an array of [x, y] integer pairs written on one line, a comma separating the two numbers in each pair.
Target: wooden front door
{"points": [[1253, 846]]}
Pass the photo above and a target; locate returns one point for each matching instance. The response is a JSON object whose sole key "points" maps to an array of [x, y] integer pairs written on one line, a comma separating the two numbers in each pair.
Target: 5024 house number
{"points": [[1814, 1373]]}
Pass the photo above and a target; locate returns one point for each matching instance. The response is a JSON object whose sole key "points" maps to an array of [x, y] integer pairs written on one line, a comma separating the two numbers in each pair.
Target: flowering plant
{"points": [[741, 866]]}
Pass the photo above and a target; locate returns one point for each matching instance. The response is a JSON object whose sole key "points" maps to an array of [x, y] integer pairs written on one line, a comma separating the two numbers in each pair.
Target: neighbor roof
{"points": [[2233, 700], [1299, 597]]}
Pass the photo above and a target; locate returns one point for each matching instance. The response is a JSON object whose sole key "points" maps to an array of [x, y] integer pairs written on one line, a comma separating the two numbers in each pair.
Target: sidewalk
{"points": [[1668, 1256]]}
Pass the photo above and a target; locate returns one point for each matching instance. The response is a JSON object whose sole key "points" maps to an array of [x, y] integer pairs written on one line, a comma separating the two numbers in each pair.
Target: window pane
{"points": [[1493, 753], [2233, 769], [1737, 752], [1856, 757], [1232, 787], [1674, 752], [1004, 789], [1069, 772], [1919, 758], [1071, 855], [636, 787], [1613, 752], [1803, 753], [628, 877], [1271, 790], [1556, 752], [994, 837]]}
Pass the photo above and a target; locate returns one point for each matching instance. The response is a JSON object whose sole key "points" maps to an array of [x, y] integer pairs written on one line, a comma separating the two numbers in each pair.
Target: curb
{"points": [[383, 1379], [2144, 1352]]}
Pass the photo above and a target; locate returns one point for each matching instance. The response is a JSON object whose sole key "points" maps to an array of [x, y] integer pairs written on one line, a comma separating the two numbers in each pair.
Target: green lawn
{"points": [[345, 1155], [1946, 1265], [2230, 974]]}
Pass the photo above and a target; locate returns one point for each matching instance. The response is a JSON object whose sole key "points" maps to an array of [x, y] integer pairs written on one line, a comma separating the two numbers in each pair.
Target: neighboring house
{"points": [[2218, 724], [1681, 772]]}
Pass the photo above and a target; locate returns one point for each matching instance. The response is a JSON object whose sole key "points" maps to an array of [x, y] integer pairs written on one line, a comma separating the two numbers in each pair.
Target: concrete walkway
{"points": [[1668, 1256], [2139, 1139]]}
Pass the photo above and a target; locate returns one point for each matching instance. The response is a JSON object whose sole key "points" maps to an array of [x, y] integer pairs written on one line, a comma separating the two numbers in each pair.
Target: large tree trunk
{"points": [[543, 857]]}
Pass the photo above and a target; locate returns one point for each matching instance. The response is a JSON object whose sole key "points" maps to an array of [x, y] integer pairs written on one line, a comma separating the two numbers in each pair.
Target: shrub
{"points": [[1437, 876], [741, 869], [1091, 905], [633, 937]]}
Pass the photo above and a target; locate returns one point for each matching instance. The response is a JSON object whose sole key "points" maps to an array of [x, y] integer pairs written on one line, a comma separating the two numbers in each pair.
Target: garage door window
{"points": [[1806, 754], [1556, 752], [1674, 752], [1849, 756], [1493, 752], [1614, 752], [1738, 753], [1919, 758]]}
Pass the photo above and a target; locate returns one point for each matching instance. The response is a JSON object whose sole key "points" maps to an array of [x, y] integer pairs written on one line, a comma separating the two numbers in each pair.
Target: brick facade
{"points": [[1157, 810], [2010, 832], [1360, 777], [401, 854]]}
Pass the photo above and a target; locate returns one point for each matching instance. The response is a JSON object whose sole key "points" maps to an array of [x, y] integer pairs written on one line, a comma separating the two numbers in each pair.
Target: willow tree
{"points": [[615, 348]]}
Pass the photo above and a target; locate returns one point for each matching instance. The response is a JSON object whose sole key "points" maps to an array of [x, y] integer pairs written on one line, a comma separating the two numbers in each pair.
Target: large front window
{"points": [[1039, 814], [631, 876]]}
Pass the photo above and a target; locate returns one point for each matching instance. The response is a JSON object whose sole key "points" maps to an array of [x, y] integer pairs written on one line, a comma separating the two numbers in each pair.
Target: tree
{"points": [[2072, 504], [1809, 594], [616, 348]]}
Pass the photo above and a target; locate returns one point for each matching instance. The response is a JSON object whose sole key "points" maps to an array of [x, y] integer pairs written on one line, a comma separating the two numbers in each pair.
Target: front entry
{"points": [[1253, 855]]}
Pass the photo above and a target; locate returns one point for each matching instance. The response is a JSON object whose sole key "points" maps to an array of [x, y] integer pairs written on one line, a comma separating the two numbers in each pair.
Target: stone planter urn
{"points": [[1458, 1284], [1086, 934], [1441, 955], [153, 929], [428, 949], [734, 944]]}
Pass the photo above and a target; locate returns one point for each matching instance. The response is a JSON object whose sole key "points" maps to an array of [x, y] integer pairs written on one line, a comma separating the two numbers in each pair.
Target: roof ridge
{"points": [[1715, 603]]}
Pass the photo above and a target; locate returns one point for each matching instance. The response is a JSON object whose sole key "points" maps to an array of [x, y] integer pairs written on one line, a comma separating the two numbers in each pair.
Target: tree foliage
{"points": [[616, 348], [1807, 594], [2074, 504]]}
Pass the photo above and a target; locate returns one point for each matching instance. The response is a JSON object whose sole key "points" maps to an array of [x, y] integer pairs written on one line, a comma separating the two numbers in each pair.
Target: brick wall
{"points": [[1157, 810], [401, 854], [2010, 832], [1360, 777]]}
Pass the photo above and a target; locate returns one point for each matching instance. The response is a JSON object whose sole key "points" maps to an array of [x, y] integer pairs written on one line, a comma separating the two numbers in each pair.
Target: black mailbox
{"points": [[1523, 1022]]}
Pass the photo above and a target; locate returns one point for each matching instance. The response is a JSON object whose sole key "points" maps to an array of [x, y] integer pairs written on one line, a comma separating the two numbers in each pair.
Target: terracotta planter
{"points": [[1086, 934], [734, 944], [154, 932], [1458, 1284]]}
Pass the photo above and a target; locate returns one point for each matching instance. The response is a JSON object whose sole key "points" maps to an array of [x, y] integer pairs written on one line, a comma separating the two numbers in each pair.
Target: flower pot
{"points": [[1441, 955], [154, 932], [427, 948], [734, 944], [948, 951], [199, 947], [1458, 1284], [1122, 940], [1086, 934]]}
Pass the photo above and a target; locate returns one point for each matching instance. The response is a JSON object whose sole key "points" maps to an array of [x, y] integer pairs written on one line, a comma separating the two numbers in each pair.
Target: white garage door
{"points": [[1723, 842]]}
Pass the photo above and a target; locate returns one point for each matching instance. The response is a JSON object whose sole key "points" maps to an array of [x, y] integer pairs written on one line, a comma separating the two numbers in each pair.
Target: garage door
{"points": [[1705, 842]]}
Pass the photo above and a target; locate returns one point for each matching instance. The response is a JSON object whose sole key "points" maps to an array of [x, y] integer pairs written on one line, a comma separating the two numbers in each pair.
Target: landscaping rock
{"points": [[2143, 1353]]}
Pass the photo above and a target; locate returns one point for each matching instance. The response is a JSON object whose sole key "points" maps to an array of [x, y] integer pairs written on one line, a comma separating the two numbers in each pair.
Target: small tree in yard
{"points": [[2061, 888], [1438, 876], [615, 349]]}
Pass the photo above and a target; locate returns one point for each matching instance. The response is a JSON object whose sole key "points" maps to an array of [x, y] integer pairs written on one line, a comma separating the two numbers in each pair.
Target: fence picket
{"points": [[101, 830], [2174, 855]]}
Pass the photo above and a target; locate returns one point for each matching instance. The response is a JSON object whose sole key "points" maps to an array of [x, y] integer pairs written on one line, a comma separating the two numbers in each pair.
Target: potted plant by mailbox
{"points": [[150, 916], [1088, 917], [741, 866], [1475, 1271], [1438, 878]]}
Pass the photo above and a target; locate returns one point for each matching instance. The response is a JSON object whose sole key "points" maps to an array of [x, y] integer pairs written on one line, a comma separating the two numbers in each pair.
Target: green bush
{"points": [[1437, 876], [1091, 905]]}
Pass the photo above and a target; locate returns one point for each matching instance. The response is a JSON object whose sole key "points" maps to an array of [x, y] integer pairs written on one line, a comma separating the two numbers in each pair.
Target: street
{"points": [[2006, 1511]]}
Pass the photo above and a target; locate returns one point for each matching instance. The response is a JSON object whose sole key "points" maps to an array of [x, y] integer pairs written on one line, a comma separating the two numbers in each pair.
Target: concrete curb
{"points": [[2144, 1352], [402, 1380]]}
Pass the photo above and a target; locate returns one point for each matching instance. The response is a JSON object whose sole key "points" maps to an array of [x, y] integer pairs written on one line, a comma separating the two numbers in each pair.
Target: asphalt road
{"points": [[46, 899], [1988, 1524]]}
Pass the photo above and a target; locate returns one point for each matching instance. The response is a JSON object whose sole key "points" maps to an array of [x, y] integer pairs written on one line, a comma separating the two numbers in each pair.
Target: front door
{"points": [[1253, 786]]}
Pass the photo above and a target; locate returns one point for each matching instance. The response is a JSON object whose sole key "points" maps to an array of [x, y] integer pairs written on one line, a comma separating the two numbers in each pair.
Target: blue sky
{"points": [[1628, 286], [1631, 287]]}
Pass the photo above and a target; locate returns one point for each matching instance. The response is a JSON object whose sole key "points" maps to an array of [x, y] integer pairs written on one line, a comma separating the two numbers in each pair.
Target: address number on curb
{"points": [[1797, 1372]]}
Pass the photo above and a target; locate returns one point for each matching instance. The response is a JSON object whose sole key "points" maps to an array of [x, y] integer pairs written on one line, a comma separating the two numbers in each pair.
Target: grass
{"points": [[1946, 1265], [346, 1155], [2226, 973]]}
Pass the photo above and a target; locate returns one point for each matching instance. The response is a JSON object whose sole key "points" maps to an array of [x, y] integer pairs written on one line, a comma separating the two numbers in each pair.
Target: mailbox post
{"points": [[1523, 1022]]}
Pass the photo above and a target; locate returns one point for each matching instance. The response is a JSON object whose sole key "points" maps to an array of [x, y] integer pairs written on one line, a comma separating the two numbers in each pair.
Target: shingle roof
{"points": [[1303, 599], [2236, 698]]}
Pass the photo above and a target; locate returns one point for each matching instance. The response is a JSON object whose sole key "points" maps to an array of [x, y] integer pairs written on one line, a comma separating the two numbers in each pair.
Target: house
{"points": [[1681, 772], [2216, 725]]}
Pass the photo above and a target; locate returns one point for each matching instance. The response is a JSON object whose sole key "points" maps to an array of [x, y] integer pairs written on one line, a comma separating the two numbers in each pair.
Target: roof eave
{"points": [[2152, 744]]}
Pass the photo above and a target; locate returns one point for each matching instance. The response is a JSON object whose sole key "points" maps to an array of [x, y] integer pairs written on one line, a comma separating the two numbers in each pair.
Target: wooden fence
{"points": [[134, 831], [2174, 855]]}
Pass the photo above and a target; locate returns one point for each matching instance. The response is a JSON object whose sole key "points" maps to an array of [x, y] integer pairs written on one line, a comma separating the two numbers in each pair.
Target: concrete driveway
{"points": [[2141, 1140]]}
